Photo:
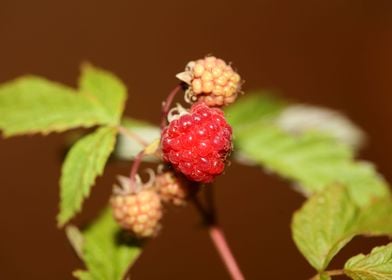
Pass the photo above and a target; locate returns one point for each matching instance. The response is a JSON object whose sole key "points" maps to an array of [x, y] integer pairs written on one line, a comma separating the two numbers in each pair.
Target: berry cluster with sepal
{"points": [[198, 143], [139, 213], [211, 81]]}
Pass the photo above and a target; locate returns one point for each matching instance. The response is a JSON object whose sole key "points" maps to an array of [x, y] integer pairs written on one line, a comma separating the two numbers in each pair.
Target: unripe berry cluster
{"points": [[174, 189], [139, 213], [212, 81], [137, 207]]}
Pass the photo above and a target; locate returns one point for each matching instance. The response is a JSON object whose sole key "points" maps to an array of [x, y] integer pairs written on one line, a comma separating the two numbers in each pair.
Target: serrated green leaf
{"points": [[84, 162], [107, 252], [128, 146], [375, 266], [320, 228], [331, 218], [310, 159], [105, 89], [32, 104]]}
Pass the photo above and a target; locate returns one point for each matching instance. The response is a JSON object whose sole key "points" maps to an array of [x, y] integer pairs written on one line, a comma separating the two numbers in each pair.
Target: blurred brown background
{"points": [[335, 53]]}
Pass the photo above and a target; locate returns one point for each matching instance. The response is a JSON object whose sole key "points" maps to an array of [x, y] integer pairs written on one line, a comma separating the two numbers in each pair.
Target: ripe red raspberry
{"points": [[173, 188], [139, 213], [197, 143], [211, 81]]}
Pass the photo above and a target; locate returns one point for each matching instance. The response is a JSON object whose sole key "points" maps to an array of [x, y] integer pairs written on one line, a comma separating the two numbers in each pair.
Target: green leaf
{"points": [[128, 146], [324, 276], [375, 218], [84, 162], [75, 237], [255, 107], [311, 159], [375, 266], [105, 89], [331, 218], [32, 104], [320, 228], [82, 275], [299, 118], [107, 252]]}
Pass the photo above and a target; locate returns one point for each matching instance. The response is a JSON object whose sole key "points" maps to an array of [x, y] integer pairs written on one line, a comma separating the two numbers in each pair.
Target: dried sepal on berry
{"points": [[198, 143], [138, 212], [174, 188], [211, 81]]}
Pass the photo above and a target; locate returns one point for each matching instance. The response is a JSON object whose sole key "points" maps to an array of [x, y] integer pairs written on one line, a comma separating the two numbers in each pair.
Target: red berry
{"points": [[198, 143], [139, 213]]}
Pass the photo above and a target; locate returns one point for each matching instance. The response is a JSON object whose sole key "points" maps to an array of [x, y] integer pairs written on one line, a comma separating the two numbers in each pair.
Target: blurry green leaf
{"points": [[33, 104], [84, 162], [83, 275], [128, 146], [375, 266], [105, 89], [253, 108], [331, 218], [324, 276], [107, 252], [301, 118], [75, 237], [312, 160], [375, 218]]}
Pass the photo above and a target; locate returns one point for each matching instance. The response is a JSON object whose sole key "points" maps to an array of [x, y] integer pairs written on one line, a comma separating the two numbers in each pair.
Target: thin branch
{"points": [[209, 196], [132, 135], [334, 272], [167, 103], [225, 253], [134, 169], [219, 241]]}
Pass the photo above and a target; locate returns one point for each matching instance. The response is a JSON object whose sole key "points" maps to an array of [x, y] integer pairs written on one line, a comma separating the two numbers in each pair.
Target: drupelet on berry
{"points": [[198, 143]]}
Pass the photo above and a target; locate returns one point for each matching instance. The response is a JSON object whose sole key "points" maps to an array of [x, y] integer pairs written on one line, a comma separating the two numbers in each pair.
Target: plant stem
{"points": [[219, 240], [334, 272], [225, 253], [134, 169], [131, 135], [167, 103]]}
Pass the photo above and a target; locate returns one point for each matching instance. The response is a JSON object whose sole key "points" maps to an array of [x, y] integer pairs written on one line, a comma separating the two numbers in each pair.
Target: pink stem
{"points": [[225, 253], [134, 169], [131, 135], [166, 104]]}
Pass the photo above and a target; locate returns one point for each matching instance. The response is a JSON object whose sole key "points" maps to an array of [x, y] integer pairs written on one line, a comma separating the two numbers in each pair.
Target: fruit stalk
{"points": [[134, 169], [167, 103], [219, 240]]}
